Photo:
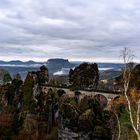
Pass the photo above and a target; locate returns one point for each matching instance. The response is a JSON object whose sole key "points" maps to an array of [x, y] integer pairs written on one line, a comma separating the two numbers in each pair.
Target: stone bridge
{"points": [[109, 96]]}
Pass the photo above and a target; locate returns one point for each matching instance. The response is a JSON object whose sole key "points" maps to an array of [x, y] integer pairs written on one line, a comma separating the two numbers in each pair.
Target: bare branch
{"points": [[127, 58]]}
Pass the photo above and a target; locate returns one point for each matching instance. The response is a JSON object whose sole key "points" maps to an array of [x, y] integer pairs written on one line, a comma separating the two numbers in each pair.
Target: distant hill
{"points": [[55, 65], [109, 74], [16, 66], [13, 70], [103, 65], [19, 63], [111, 65]]}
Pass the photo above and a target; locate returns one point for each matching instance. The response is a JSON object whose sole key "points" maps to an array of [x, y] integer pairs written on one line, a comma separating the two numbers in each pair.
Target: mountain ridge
{"points": [[55, 66]]}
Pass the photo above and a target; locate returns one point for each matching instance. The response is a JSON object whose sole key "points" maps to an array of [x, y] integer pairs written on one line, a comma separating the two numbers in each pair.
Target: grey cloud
{"points": [[71, 29]]}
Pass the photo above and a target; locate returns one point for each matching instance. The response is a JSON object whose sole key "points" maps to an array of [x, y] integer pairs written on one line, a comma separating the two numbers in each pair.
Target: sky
{"points": [[89, 30]]}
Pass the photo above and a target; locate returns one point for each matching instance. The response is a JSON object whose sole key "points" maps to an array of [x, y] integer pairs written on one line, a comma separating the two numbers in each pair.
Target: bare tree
{"points": [[127, 58], [111, 106], [119, 126]]}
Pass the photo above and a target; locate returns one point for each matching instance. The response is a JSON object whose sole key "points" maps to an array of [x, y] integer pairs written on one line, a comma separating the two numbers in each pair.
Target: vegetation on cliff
{"points": [[31, 110], [85, 76]]}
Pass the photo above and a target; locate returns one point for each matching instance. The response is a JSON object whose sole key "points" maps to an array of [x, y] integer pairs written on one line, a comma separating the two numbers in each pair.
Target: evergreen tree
{"points": [[28, 93]]}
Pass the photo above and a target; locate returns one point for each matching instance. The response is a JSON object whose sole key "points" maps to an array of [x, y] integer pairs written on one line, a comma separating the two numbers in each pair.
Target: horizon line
{"points": [[71, 60]]}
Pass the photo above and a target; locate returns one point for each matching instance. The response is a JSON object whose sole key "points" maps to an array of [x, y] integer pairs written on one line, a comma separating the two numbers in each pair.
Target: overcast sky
{"points": [[93, 30]]}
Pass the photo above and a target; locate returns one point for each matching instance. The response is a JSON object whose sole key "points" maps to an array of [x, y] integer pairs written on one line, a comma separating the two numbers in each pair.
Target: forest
{"points": [[37, 109]]}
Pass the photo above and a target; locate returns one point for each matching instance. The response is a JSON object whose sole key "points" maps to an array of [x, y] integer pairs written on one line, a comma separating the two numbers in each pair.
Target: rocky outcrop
{"points": [[40, 77], [84, 77], [87, 120]]}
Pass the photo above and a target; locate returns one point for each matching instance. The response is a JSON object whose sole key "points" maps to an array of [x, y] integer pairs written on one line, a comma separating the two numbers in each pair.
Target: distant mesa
{"points": [[59, 65]]}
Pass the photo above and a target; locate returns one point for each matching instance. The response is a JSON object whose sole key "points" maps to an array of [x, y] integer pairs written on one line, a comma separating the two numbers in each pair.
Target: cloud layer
{"points": [[75, 29]]}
